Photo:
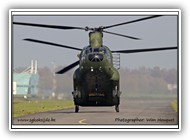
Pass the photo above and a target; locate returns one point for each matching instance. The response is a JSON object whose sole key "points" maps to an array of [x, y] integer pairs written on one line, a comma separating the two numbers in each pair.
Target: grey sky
{"points": [[157, 32]]}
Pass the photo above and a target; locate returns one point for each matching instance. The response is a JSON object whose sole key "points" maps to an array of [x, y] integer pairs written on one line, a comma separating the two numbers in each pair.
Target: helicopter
{"points": [[96, 82]]}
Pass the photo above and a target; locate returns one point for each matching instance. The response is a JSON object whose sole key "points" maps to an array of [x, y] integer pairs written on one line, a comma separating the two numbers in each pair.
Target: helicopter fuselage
{"points": [[96, 81]]}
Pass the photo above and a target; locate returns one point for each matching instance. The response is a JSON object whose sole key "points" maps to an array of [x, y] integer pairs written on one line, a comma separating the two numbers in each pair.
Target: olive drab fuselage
{"points": [[96, 81]]}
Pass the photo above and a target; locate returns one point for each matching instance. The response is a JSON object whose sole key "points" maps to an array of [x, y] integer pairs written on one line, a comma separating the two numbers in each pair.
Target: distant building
{"points": [[172, 87], [26, 82]]}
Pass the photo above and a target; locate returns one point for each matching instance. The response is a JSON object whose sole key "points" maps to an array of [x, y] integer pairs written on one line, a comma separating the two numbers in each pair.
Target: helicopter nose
{"points": [[95, 57]]}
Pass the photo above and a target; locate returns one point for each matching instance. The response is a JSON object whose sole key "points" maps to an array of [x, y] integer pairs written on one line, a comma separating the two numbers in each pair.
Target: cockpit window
{"points": [[96, 50], [92, 51]]}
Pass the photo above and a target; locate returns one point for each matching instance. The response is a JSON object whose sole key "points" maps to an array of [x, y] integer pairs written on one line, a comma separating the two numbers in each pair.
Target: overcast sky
{"points": [[157, 32]]}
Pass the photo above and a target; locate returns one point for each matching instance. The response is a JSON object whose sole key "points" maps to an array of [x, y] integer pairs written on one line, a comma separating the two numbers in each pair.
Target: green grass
{"points": [[25, 107], [174, 105], [148, 95]]}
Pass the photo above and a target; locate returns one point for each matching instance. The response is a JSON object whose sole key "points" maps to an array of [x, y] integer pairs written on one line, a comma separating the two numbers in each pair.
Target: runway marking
{"points": [[82, 121]]}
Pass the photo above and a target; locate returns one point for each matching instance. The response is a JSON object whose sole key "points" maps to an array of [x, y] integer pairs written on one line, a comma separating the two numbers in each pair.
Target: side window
{"points": [[108, 54], [82, 54], [103, 50], [109, 57]]}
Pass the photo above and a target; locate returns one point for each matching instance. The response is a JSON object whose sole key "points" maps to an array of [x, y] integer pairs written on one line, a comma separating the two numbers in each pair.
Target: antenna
{"points": [[31, 69], [35, 67]]}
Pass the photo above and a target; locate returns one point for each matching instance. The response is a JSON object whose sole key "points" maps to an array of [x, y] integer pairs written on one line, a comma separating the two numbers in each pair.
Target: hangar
{"points": [[25, 83]]}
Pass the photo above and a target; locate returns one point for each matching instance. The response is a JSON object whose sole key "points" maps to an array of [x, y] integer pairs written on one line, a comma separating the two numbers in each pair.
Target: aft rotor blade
{"points": [[62, 71], [53, 44], [121, 35], [144, 50], [128, 22], [48, 26]]}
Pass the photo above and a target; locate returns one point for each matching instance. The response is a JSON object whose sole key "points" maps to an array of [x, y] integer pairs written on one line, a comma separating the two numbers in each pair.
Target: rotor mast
{"points": [[95, 39]]}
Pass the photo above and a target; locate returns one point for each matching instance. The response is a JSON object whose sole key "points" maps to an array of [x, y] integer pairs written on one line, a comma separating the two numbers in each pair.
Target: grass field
{"points": [[148, 96], [174, 105], [24, 107]]}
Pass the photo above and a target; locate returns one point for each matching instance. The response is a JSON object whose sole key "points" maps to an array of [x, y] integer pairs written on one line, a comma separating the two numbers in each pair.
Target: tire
{"points": [[76, 109], [117, 108]]}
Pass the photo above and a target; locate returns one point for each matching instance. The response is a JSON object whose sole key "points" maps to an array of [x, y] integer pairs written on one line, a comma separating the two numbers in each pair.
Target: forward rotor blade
{"points": [[48, 26], [144, 50], [50, 43], [121, 35], [62, 71], [128, 22]]}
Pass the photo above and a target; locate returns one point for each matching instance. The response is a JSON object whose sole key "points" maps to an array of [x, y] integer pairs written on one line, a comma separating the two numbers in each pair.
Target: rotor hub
{"points": [[99, 29]]}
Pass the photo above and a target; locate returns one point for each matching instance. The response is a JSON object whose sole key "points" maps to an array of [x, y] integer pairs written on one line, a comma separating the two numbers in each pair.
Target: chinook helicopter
{"points": [[96, 80]]}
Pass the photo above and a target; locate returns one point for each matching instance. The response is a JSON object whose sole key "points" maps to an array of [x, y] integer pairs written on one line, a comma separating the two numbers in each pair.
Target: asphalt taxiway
{"points": [[132, 111]]}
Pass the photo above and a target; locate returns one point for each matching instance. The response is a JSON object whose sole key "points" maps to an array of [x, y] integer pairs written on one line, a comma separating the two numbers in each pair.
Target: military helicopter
{"points": [[96, 80]]}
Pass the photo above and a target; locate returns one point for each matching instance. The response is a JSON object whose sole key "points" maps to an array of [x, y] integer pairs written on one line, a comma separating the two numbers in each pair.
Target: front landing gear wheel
{"points": [[117, 108], [76, 108]]}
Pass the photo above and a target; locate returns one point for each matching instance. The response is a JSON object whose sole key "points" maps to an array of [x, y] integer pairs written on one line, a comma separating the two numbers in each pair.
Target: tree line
{"points": [[142, 80], [148, 80]]}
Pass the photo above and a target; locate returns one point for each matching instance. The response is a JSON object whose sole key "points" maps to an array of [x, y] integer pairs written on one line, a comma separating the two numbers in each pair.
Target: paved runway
{"points": [[132, 111]]}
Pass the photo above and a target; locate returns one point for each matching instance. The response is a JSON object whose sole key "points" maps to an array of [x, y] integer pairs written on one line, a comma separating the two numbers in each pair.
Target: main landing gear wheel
{"points": [[76, 108], [117, 108]]}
